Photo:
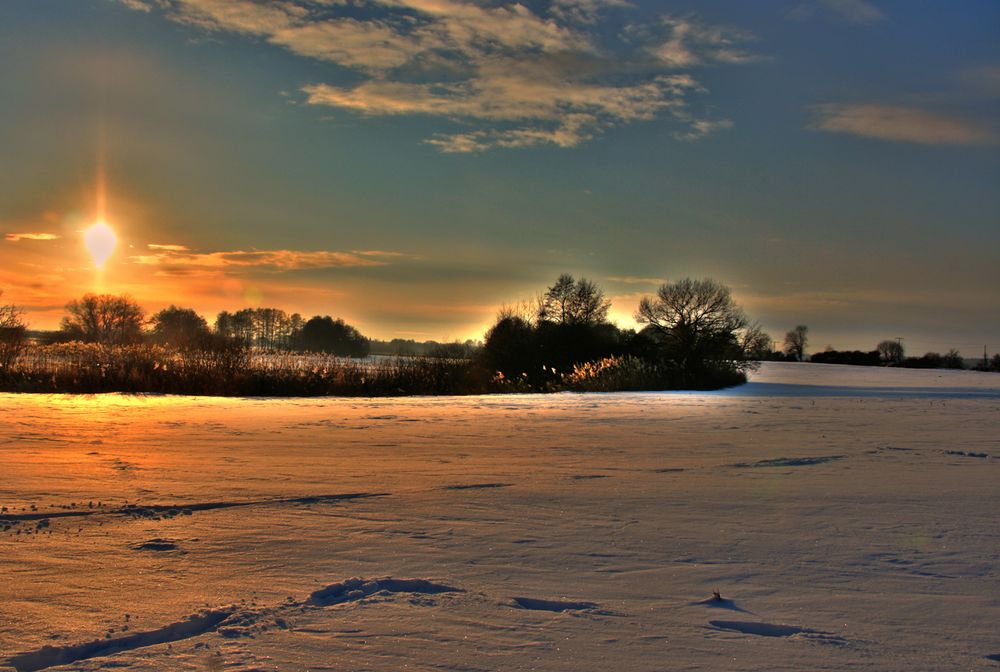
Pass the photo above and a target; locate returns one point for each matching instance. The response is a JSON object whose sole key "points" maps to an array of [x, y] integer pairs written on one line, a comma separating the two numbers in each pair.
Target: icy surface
{"points": [[847, 516]]}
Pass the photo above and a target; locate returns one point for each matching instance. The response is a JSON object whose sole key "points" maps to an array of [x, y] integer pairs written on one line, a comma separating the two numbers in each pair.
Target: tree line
{"points": [[889, 352], [119, 320], [693, 335]]}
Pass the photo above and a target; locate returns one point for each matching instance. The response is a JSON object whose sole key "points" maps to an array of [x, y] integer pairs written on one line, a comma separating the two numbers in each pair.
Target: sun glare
{"points": [[100, 240]]}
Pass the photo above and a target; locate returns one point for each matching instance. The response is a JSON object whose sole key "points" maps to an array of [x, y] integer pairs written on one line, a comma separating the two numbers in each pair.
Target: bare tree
{"points": [[106, 319], [756, 344], [13, 333], [796, 341], [571, 301], [700, 326], [890, 352]]}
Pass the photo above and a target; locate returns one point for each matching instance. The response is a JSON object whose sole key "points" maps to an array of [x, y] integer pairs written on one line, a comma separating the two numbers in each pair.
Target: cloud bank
{"points": [[902, 124], [179, 256], [515, 76], [17, 237]]}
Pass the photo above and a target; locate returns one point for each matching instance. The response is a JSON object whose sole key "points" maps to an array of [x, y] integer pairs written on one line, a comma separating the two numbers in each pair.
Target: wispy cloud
{"points": [[902, 124], [179, 256], [634, 280], [17, 237], [860, 12], [983, 80], [690, 42], [168, 248], [521, 76]]}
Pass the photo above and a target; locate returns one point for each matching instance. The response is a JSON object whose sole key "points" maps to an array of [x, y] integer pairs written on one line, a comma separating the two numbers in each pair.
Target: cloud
{"points": [[691, 42], [178, 257], [168, 248], [902, 124], [17, 237], [139, 5], [521, 77], [984, 80], [860, 12], [584, 11], [633, 280], [700, 128]]}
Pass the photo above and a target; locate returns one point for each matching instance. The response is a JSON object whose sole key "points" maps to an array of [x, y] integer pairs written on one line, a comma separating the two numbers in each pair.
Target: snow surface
{"points": [[847, 516]]}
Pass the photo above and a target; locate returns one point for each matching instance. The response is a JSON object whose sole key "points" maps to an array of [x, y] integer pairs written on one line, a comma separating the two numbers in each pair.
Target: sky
{"points": [[411, 165]]}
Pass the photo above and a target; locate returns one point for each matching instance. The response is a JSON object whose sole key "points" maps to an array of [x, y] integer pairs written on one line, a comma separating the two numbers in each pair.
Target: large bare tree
{"points": [[105, 319], [699, 325]]}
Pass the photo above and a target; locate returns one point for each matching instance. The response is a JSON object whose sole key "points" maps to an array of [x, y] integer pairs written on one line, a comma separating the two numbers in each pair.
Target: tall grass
{"points": [[227, 371], [232, 370]]}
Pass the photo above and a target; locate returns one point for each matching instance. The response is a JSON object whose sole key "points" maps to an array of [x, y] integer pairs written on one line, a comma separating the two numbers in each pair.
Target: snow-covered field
{"points": [[848, 517]]}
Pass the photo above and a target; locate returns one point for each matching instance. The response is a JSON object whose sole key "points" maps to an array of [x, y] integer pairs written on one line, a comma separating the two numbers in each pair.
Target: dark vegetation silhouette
{"points": [[693, 336], [855, 357], [104, 319], [265, 328], [181, 328], [326, 335], [700, 334], [796, 341], [889, 352], [13, 334]]}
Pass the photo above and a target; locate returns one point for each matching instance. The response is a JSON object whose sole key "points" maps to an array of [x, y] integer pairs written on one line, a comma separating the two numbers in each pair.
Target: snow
{"points": [[847, 516]]}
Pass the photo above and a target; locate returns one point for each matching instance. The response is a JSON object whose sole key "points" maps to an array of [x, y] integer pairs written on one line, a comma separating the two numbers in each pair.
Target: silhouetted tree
{"points": [[180, 327], [324, 334], [700, 328], [953, 360], [571, 301], [105, 319], [510, 346], [13, 333], [796, 341], [891, 352]]}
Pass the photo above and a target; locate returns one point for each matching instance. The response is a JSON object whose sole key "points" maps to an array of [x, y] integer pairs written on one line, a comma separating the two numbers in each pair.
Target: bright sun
{"points": [[100, 240]]}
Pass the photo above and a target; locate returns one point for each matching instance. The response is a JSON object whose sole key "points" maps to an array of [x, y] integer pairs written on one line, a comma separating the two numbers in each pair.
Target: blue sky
{"points": [[409, 165]]}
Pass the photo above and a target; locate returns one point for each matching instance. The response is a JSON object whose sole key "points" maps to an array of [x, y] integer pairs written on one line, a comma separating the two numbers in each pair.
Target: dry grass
{"points": [[232, 370], [227, 371]]}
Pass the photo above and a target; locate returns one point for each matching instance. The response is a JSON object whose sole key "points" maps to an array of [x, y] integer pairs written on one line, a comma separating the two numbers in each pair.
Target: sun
{"points": [[101, 241]]}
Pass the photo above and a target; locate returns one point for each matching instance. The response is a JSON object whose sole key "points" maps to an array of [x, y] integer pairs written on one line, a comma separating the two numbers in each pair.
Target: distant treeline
{"points": [[116, 320], [694, 336], [399, 347], [887, 353]]}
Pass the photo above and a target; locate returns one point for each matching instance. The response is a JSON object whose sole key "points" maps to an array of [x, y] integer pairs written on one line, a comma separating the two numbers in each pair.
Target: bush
{"points": [[13, 334]]}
